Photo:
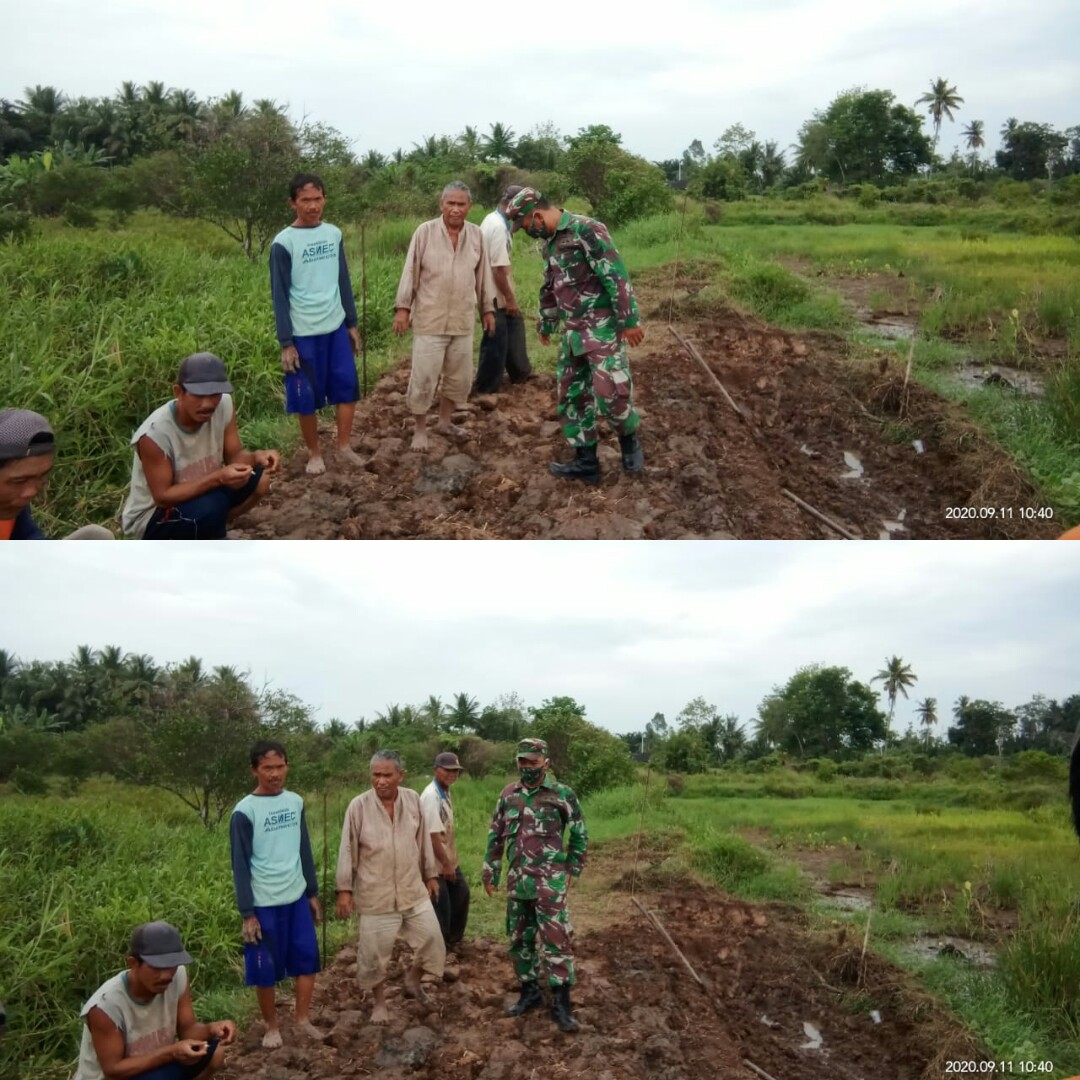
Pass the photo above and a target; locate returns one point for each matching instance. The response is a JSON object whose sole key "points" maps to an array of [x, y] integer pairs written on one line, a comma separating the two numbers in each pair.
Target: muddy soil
{"points": [[773, 996], [709, 474]]}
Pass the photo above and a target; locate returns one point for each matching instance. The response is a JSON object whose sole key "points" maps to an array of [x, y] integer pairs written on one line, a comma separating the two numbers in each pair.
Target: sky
{"points": [[626, 629], [386, 75]]}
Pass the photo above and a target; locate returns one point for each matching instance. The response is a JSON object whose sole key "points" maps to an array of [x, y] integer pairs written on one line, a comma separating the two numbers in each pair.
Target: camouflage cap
{"points": [[521, 204], [532, 746]]}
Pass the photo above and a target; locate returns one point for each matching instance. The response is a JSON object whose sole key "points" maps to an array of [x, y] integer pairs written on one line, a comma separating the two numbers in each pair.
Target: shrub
{"points": [[28, 782], [15, 225], [477, 755]]}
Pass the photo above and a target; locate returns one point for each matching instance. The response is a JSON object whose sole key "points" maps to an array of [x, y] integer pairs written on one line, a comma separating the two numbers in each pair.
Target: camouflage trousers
{"points": [[596, 384], [544, 921]]}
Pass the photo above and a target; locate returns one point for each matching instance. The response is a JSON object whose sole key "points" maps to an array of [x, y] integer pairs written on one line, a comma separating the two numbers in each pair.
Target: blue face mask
{"points": [[531, 776]]}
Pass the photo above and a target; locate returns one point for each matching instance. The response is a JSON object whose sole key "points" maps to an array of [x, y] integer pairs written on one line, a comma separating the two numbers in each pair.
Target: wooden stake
{"points": [[709, 371], [818, 514], [667, 937], [865, 942]]}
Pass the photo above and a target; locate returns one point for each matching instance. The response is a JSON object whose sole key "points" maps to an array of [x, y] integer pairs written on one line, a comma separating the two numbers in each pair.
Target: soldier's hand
{"points": [[545, 339], [635, 336], [489, 888]]}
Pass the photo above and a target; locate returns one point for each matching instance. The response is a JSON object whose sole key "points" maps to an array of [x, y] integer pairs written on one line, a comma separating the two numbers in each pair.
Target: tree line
{"points": [[125, 715], [226, 161]]}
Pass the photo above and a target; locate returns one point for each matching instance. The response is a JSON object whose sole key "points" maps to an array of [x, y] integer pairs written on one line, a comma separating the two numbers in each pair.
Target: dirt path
{"points": [[774, 995], [828, 430]]}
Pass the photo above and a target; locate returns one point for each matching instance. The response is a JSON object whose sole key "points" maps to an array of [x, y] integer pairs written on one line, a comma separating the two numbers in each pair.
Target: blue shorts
{"points": [[327, 373], [288, 947], [175, 1071], [205, 517]]}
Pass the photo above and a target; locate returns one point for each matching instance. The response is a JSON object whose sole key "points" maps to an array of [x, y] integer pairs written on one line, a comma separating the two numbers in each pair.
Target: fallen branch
{"points": [[907, 376], [818, 514], [701, 360], [667, 937]]}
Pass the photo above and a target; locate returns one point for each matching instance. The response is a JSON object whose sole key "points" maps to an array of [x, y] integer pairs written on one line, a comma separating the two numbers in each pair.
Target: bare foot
{"points": [[272, 1039], [347, 453], [380, 1014], [309, 1030], [315, 466], [451, 431], [414, 989], [421, 444]]}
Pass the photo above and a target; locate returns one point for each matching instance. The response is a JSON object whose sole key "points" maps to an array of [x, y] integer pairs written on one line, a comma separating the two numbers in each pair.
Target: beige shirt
{"points": [[439, 818], [497, 246], [385, 863], [440, 284]]}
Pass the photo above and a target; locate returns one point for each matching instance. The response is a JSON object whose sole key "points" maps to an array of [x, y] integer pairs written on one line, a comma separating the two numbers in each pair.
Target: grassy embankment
{"points": [[945, 855], [93, 324]]}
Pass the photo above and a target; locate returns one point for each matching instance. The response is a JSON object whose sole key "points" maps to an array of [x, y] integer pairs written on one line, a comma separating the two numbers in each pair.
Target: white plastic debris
{"points": [[813, 1036], [918, 444], [767, 1022], [875, 1016], [854, 465]]}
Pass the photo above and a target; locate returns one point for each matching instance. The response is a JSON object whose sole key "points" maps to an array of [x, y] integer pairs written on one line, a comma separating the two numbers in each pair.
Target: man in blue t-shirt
{"points": [[315, 317], [276, 890]]}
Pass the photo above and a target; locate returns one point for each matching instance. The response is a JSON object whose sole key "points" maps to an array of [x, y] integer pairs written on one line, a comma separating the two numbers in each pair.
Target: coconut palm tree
{"points": [[463, 714], [896, 677], [469, 143], [926, 711], [499, 143], [940, 101], [973, 136]]}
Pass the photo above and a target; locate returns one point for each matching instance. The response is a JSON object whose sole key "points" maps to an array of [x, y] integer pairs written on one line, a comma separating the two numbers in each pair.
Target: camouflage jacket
{"points": [[586, 285], [528, 824]]}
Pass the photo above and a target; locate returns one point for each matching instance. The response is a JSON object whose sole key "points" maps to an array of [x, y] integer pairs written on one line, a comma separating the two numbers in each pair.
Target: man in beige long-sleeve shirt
{"points": [[446, 275], [387, 861]]}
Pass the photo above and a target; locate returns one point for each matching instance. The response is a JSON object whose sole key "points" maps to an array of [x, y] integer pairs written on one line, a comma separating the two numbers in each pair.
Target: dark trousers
{"points": [[504, 351], [452, 907], [203, 518]]}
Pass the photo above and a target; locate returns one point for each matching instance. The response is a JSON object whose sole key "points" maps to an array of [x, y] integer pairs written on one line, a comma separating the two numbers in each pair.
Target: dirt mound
{"points": [[773, 996], [816, 424]]}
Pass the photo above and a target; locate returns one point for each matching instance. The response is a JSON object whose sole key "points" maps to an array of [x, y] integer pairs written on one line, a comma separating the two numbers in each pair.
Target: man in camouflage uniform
{"points": [[528, 824], [587, 288]]}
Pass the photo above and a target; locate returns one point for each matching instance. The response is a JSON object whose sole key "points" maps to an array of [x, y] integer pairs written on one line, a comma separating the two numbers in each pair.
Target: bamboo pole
{"points": [[326, 910], [363, 304], [818, 514], [667, 937], [709, 371]]}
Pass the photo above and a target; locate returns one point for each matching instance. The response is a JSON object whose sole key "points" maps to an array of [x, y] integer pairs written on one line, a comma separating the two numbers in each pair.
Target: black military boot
{"points": [[633, 457], [560, 1009], [531, 997], [585, 466]]}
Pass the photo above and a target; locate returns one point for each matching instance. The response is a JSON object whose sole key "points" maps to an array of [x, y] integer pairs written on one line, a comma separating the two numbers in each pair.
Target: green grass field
{"points": [[77, 873], [94, 324]]}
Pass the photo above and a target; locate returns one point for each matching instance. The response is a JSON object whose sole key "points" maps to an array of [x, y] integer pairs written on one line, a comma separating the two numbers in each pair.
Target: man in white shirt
{"points": [[141, 1023], [386, 862], [452, 906], [505, 351]]}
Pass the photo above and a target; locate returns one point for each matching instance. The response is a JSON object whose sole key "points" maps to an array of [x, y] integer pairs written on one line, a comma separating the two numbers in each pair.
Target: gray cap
{"points": [[158, 944], [203, 373], [24, 434]]}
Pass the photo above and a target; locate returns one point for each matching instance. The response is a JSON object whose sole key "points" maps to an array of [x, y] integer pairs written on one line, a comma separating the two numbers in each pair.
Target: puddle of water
{"points": [[892, 327], [849, 899], [933, 946], [980, 375]]}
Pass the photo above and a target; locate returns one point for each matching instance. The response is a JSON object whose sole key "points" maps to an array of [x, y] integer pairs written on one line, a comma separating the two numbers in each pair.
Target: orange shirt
{"points": [[7, 527], [1072, 534]]}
